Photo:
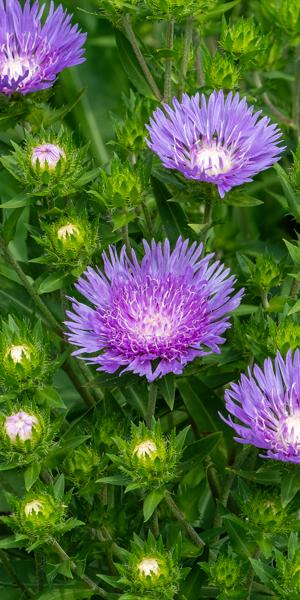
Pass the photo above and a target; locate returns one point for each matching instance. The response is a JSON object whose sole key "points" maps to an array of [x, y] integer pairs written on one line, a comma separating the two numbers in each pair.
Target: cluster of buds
{"points": [[150, 570], [148, 457], [82, 465], [130, 130], [243, 41], [224, 574], [264, 272], [286, 15], [122, 187], [284, 336], [24, 356], [70, 240], [221, 72], [284, 576], [49, 163]]}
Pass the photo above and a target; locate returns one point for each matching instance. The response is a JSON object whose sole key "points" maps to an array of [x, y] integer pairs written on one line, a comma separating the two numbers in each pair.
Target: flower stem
{"points": [[207, 217], [64, 557], [169, 62], [264, 299], [126, 22], [178, 514], [268, 102], [296, 95], [147, 217], [49, 318], [188, 34], [151, 404]]}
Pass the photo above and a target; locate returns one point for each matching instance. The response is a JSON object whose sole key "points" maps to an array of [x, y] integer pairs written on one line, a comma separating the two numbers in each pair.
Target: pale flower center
{"points": [[14, 67], [290, 429], [155, 325], [20, 425], [48, 155], [67, 231], [17, 353], [213, 160], [149, 566], [35, 506], [147, 448]]}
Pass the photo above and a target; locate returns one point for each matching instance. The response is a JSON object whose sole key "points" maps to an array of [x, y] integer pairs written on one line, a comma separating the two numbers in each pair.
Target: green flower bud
{"points": [[221, 72], [265, 272], [264, 512], [225, 573], [82, 465], [286, 15], [178, 9], [40, 511], [243, 40], [48, 164], [24, 360], [70, 241], [22, 430], [148, 457], [122, 187], [284, 336], [150, 569]]}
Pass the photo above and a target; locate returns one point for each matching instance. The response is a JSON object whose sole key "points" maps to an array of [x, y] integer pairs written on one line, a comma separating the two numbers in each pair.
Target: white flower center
{"points": [[67, 231], [145, 449], [213, 160], [35, 506], [149, 566], [155, 325], [14, 67], [290, 429], [17, 353]]}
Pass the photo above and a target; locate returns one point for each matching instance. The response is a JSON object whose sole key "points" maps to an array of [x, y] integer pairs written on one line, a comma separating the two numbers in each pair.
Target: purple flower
{"points": [[48, 155], [168, 310], [218, 141], [21, 425], [32, 53], [267, 404]]}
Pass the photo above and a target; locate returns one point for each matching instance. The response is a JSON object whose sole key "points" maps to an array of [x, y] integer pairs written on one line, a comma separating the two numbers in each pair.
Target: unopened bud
{"points": [[47, 155], [146, 449], [148, 567], [20, 426]]}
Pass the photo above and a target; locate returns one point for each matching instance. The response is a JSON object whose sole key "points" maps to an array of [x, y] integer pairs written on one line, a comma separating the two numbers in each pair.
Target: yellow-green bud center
{"points": [[146, 449], [148, 566]]}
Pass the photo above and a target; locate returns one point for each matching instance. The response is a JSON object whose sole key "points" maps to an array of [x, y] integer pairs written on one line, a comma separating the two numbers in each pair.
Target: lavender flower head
{"points": [[48, 155], [21, 425], [217, 141], [155, 317], [266, 405], [33, 52]]}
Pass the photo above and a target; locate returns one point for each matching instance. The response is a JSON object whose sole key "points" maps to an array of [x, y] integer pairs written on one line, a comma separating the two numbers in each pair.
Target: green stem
{"points": [[64, 557], [188, 35], [147, 218], [199, 67], [126, 239], [12, 573], [264, 299], [126, 22], [295, 289], [268, 102], [151, 404], [169, 62], [207, 217], [48, 316], [178, 514], [296, 94]]}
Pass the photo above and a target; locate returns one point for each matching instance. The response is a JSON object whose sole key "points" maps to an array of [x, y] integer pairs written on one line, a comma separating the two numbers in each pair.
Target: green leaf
{"points": [[31, 475], [131, 65], [17, 202], [50, 283], [72, 591], [10, 542], [167, 386], [151, 502], [237, 198], [10, 224], [292, 198], [290, 485], [295, 308], [238, 539], [59, 487], [48, 395], [294, 252], [114, 480], [173, 217], [201, 403], [264, 572], [197, 451]]}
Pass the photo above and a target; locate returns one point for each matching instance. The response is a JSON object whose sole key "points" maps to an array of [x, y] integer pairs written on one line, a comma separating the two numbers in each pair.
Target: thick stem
{"points": [[151, 404], [13, 575], [199, 67], [188, 34], [207, 217], [169, 62], [80, 387], [126, 22], [64, 557], [178, 514], [296, 94], [264, 299]]}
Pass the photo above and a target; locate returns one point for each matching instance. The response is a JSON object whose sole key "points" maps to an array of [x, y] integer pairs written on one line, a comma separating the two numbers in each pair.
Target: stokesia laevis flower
{"points": [[155, 317], [216, 140], [32, 51], [266, 405]]}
